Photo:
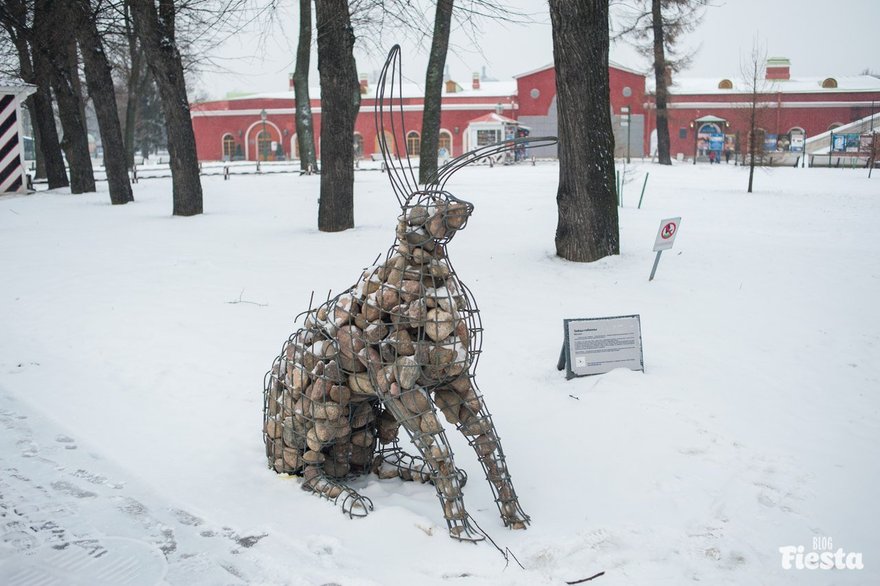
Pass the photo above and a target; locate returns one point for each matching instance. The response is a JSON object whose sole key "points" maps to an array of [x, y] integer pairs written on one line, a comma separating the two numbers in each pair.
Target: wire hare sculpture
{"points": [[389, 352]]}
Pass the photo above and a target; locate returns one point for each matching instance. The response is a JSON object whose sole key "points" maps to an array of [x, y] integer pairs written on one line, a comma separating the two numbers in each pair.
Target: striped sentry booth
{"points": [[12, 173]]}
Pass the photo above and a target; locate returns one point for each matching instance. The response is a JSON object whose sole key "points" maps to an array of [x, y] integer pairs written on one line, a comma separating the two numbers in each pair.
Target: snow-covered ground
{"points": [[133, 346]]}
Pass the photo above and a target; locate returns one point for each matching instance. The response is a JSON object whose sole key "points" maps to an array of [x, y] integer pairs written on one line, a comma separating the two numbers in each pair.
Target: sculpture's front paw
{"points": [[356, 505]]}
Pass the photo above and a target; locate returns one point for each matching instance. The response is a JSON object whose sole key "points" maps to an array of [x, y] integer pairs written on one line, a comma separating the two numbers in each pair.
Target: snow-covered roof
{"points": [[798, 85], [22, 90], [487, 89], [493, 118], [407, 90], [611, 63], [287, 95]]}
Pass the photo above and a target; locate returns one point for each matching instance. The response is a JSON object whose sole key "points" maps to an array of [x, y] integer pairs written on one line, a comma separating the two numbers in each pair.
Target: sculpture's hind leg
{"points": [[394, 462], [463, 406], [430, 440]]}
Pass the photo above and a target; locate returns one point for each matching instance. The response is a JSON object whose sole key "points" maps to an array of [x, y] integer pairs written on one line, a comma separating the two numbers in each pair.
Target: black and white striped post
{"points": [[12, 172]]}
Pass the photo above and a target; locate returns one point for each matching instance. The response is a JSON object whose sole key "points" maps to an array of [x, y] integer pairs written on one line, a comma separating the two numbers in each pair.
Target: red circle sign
{"points": [[668, 231]]}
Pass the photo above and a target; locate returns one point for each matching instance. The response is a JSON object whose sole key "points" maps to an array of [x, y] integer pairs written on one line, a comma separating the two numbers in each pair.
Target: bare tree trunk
{"points": [[587, 229], [39, 160], [434, 92], [50, 162], [53, 38], [305, 130], [752, 136], [155, 30], [754, 73], [662, 92], [340, 101], [75, 142], [50, 145], [133, 85], [100, 84]]}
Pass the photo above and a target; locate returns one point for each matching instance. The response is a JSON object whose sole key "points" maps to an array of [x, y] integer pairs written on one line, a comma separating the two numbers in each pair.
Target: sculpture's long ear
{"points": [[390, 129], [489, 150]]}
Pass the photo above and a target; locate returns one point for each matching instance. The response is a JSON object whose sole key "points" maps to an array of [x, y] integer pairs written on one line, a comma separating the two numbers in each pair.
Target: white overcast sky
{"points": [[819, 37]]}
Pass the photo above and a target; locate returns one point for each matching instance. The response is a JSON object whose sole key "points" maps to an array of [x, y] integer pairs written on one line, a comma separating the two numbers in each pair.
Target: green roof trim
{"points": [[778, 62]]}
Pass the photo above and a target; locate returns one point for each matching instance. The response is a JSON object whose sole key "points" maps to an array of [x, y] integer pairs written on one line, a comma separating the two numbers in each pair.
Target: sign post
{"points": [[601, 344], [665, 239]]}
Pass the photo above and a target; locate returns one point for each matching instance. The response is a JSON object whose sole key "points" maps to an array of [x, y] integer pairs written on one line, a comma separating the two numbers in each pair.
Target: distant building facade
{"points": [[263, 126], [236, 129], [790, 109], [704, 115], [536, 98]]}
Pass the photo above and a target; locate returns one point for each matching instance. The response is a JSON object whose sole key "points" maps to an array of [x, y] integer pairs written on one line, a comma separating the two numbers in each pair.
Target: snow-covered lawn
{"points": [[133, 346]]}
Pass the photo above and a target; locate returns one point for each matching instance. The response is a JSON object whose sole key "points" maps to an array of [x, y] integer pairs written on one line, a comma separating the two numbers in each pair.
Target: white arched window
{"points": [[710, 128], [444, 143], [228, 147], [264, 145], [413, 143]]}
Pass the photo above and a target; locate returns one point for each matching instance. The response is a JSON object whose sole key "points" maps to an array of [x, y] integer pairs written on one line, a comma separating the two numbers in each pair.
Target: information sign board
{"points": [[599, 345]]}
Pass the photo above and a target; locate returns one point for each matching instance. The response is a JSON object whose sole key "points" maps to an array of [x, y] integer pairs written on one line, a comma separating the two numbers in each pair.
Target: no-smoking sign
{"points": [[666, 234]]}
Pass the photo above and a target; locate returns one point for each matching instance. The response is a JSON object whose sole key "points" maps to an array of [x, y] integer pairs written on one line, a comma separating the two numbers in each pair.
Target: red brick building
{"points": [[791, 109], [481, 113], [536, 99], [700, 111], [235, 128]]}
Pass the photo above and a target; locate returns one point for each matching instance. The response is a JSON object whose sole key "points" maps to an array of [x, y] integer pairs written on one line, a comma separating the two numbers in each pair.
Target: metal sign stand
{"points": [[656, 262]]}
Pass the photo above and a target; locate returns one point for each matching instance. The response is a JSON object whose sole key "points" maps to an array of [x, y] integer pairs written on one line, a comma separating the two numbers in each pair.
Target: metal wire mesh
{"points": [[388, 353]]}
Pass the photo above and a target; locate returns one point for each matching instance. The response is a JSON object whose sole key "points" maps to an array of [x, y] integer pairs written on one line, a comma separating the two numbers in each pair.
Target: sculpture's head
{"points": [[432, 216], [430, 213]]}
